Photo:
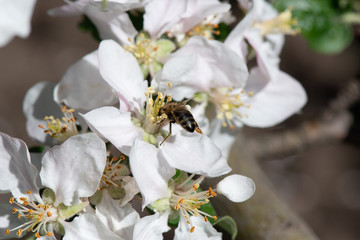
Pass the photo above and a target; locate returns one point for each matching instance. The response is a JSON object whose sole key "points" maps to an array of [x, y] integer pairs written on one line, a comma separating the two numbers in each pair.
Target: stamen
{"points": [[61, 129], [284, 23]]}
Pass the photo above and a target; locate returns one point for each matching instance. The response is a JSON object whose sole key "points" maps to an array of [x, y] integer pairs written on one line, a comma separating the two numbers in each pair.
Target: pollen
{"points": [[144, 50], [188, 200], [284, 23], [35, 219], [63, 128]]}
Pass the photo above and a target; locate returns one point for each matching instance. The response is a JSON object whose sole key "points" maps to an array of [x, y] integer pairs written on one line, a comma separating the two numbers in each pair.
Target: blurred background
{"points": [[321, 182]]}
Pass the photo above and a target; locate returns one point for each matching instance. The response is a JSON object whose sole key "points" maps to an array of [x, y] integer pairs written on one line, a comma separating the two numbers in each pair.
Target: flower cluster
{"points": [[167, 99]]}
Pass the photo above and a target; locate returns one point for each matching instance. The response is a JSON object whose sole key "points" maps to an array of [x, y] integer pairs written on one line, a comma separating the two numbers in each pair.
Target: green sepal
{"points": [[96, 198], [165, 48], [144, 69], [48, 196], [160, 205], [174, 219], [228, 224], [69, 211], [180, 178], [150, 138], [117, 192], [59, 228]]}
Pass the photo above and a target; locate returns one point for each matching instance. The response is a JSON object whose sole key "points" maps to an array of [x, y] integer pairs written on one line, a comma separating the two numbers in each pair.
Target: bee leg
{"points": [[167, 135]]}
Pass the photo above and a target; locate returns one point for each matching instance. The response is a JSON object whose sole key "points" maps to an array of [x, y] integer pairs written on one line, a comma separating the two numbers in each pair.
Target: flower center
{"points": [[227, 103], [283, 23], [152, 121], [63, 128], [188, 200], [112, 173], [143, 50], [37, 216]]}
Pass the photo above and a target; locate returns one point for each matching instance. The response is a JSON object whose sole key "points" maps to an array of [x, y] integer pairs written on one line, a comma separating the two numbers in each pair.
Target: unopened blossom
{"points": [[184, 201], [136, 129], [69, 172], [15, 19]]}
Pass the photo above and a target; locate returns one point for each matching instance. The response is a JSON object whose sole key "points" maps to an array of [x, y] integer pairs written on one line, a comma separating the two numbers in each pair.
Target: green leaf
{"points": [[228, 224], [86, 25], [208, 208], [36, 149], [320, 22], [224, 30]]}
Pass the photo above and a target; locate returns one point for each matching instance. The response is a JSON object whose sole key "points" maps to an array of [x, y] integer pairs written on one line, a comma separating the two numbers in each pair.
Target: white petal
{"points": [[277, 101], [203, 230], [121, 71], [213, 65], [113, 125], [194, 153], [131, 189], [111, 24], [8, 220], [161, 15], [70, 9], [74, 168], [82, 86], [37, 104], [151, 227], [17, 173], [236, 187], [89, 227], [15, 17], [223, 137], [120, 220], [151, 171]]}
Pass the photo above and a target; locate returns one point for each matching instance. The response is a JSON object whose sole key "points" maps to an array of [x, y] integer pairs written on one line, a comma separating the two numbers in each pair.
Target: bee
{"points": [[178, 113]]}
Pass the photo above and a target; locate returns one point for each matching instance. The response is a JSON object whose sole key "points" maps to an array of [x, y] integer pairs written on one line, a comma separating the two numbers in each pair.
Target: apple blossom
{"points": [[184, 201], [136, 131], [61, 198]]}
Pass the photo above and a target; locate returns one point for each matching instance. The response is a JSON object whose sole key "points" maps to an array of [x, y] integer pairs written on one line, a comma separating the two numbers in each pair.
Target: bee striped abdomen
{"points": [[185, 119]]}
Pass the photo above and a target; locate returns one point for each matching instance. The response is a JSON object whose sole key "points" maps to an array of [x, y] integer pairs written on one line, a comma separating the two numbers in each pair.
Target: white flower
{"points": [[185, 200], [46, 121], [111, 20], [178, 17], [15, 16], [111, 221], [136, 131], [82, 87], [71, 170]]}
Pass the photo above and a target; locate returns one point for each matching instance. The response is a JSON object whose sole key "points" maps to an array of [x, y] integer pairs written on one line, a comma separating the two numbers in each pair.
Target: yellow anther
{"points": [[192, 229], [205, 219], [19, 232], [49, 234], [251, 93], [122, 157], [215, 218], [30, 211], [19, 216], [37, 235], [7, 231], [28, 192], [23, 199], [169, 84], [195, 187], [49, 214], [12, 199], [14, 210]]}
